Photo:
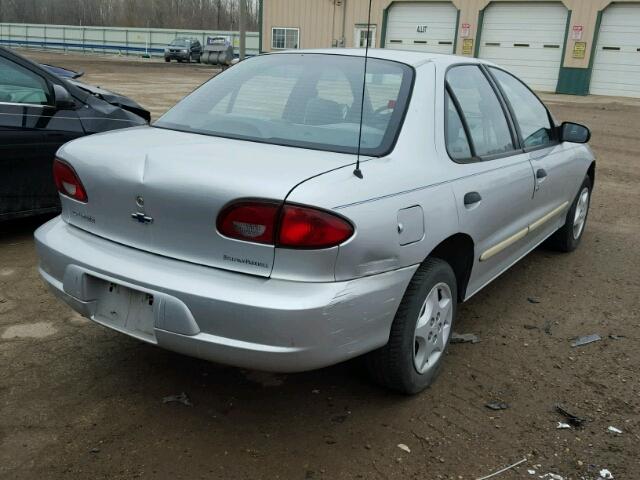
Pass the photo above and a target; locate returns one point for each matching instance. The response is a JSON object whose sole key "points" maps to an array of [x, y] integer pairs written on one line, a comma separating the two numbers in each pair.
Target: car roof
{"points": [[409, 57]]}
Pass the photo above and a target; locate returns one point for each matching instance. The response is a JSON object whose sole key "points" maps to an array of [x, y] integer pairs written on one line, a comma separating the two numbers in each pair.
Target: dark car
{"points": [[183, 50], [61, 72], [40, 111], [108, 96]]}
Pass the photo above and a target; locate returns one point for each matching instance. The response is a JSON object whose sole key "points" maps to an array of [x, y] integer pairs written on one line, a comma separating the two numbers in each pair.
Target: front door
{"points": [[550, 160]]}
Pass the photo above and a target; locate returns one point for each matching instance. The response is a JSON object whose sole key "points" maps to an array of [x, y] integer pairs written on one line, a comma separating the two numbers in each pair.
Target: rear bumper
{"points": [[227, 317]]}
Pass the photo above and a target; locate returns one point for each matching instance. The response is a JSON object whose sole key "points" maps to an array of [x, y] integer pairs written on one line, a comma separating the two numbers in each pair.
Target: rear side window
{"points": [[531, 114], [455, 135], [482, 111]]}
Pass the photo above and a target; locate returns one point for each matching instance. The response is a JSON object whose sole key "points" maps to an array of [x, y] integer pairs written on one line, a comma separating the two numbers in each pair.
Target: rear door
{"points": [[555, 172], [494, 185]]}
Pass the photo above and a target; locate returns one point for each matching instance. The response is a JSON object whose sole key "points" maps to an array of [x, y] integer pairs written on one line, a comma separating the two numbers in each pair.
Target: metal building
{"points": [[567, 46]]}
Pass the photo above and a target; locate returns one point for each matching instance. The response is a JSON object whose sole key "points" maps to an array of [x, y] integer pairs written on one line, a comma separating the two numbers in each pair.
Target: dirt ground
{"points": [[80, 401]]}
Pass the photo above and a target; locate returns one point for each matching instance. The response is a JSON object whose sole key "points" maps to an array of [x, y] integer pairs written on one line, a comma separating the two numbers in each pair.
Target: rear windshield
{"points": [[300, 100]]}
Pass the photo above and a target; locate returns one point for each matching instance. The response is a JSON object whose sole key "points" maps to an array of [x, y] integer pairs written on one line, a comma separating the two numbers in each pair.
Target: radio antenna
{"points": [[357, 172]]}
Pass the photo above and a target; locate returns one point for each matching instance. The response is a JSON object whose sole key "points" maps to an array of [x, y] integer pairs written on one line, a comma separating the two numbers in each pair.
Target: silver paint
{"points": [[580, 216], [281, 309], [433, 327]]}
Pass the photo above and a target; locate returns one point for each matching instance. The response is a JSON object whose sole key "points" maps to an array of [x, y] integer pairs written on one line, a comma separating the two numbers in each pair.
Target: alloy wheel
{"points": [[580, 217], [433, 328]]}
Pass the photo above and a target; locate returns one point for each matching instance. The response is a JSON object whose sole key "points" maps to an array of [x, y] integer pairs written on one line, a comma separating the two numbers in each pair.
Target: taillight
{"points": [[68, 182], [249, 221], [304, 227], [288, 226]]}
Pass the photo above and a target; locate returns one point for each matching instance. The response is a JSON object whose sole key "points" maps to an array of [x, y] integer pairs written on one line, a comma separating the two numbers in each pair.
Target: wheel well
{"points": [[457, 251], [592, 174]]}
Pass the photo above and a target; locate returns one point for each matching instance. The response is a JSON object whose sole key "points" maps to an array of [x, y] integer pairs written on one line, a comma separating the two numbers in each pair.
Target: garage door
{"points": [[616, 67], [423, 26], [527, 39]]}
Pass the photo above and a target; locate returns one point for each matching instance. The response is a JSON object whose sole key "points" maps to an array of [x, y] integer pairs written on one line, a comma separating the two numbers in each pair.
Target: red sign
{"points": [[465, 30], [576, 32]]}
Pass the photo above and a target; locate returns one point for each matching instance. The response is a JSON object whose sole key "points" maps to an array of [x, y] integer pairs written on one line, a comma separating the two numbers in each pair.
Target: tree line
{"points": [[180, 14]]}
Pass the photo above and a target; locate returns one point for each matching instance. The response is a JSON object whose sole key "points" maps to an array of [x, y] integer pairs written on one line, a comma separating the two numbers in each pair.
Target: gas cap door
{"points": [[410, 225]]}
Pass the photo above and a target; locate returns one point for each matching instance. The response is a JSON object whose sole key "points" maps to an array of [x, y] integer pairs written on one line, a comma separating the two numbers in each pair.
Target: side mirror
{"points": [[574, 133], [62, 98]]}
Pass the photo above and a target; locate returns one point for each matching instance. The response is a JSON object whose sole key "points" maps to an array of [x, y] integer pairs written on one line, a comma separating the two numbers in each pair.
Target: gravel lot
{"points": [[80, 401]]}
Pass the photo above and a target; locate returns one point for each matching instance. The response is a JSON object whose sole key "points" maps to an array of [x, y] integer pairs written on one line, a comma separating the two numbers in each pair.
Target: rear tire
{"points": [[167, 59], [568, 237], [420, 332]]}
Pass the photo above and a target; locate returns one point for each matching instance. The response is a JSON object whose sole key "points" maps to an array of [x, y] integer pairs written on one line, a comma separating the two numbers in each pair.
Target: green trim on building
{"points": [[566, 37], [455, 38], [476, 50], [577, 81], [567, 77], [596, 35], [573, 81], [260, 24], [383, 30]]}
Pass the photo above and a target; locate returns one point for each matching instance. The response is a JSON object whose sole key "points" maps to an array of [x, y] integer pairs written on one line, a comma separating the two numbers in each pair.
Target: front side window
{"points": [[530, 113], [19, 85], [301, 100], [484, 116], [285, 38]]}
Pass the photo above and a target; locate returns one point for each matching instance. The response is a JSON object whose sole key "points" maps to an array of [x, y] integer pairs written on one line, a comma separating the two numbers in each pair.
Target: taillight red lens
{"points": [[304, 227], [288, 226], [68, 182], [249, 221]]}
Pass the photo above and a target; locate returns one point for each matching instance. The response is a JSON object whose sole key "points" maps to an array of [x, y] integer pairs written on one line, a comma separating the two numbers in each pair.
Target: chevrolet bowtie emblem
{"points": [[141, 217]]}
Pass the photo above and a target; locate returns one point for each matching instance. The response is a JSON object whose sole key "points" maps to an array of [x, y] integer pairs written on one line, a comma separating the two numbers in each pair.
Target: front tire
{"points": [[420, 332], [568, 237]]}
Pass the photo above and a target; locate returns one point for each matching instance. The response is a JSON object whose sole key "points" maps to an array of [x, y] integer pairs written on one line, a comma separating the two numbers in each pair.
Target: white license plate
{"points": [[126, 310]]}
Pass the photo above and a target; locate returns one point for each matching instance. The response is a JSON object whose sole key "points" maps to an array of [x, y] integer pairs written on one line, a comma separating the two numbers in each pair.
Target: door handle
{"points": [[541, 176], [472, 198]]}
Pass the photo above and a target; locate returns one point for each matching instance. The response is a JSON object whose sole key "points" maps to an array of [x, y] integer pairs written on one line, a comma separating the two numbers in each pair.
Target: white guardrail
{"points": [[123, 41]]}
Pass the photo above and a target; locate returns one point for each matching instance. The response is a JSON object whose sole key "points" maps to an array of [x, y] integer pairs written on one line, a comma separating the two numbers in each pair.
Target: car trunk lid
{"points": [[161, 190]]}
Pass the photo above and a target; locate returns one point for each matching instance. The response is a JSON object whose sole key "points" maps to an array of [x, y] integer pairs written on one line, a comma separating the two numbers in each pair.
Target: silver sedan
{"points": [[241, 228]]}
